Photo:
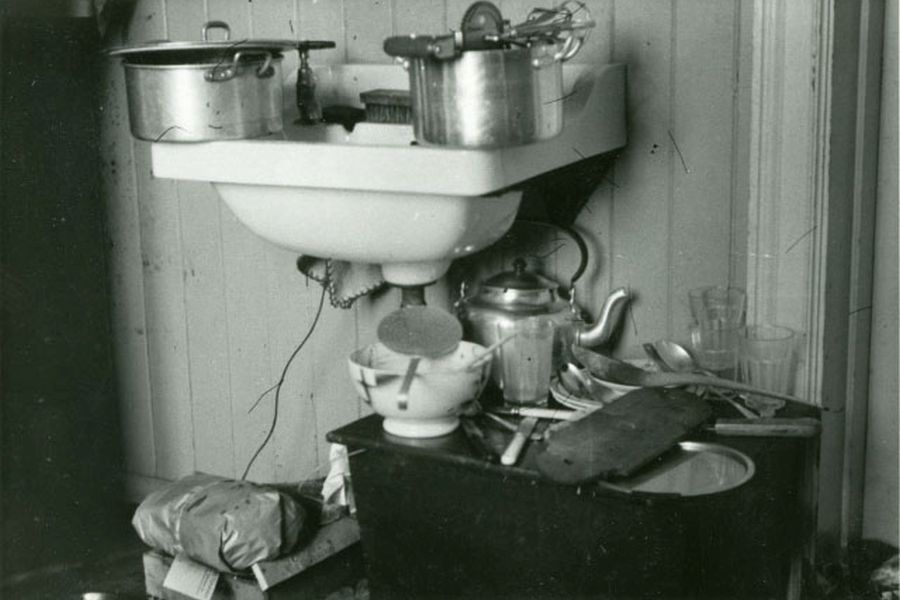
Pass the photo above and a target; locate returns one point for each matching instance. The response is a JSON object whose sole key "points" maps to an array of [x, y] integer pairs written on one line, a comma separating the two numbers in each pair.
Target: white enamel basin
{"points": [[373, 196], [413, 236]]}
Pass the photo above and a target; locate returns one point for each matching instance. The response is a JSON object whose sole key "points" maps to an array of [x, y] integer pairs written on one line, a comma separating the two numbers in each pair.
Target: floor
{"points": [[116, 568]]}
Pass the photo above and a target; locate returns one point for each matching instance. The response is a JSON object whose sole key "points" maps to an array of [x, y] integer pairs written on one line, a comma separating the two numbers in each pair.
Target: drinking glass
{"points": [[526, 361], [715, 347], [726, 306], [719, 314], [766, 359]]}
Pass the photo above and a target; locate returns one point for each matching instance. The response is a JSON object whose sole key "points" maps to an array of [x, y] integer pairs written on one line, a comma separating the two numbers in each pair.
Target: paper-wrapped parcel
{"points": [[225, 524]]}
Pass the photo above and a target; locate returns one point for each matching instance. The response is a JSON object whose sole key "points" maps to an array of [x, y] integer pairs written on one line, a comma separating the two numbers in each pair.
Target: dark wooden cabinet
{"points": [[438, 522]]}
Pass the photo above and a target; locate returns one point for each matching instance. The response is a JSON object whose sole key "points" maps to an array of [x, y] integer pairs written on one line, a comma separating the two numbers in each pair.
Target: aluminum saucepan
{"points": [[489, 85], [203, 91], [488, 98]]}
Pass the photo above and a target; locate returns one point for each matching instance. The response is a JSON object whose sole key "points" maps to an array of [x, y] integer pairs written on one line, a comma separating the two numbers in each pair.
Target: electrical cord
{"points": [[278, 385]]}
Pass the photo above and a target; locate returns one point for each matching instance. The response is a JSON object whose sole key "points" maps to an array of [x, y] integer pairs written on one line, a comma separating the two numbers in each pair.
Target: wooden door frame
{"points": [[829, 180]]}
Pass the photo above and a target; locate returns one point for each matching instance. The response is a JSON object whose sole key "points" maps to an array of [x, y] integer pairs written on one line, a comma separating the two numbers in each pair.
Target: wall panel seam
{"points": [[228, 352], [165, 18], [187, 329], [346, 45], [735, 136], [147, 332], [670, 159], [610, 259]]}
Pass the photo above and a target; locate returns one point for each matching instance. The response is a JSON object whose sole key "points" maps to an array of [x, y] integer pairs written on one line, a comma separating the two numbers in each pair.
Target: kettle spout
{"points": [[611, 313]]}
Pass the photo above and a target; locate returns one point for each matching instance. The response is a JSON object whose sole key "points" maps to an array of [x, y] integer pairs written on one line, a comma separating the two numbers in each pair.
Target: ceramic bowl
{"points": [[617, 390], [439, 388]]}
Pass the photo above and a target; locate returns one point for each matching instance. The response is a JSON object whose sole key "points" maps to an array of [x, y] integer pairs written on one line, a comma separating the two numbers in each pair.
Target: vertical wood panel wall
{"points": [[205, 313]]}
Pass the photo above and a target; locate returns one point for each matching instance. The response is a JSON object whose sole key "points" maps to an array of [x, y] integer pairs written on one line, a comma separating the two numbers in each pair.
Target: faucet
{"points": [[307, 105]]}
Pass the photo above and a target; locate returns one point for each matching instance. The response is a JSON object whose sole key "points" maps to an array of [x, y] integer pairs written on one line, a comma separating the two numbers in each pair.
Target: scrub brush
{"points": [[387, 106]]}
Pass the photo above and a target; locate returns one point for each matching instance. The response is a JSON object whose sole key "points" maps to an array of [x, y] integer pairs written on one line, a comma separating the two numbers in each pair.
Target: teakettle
{"points": [[516, 295]]}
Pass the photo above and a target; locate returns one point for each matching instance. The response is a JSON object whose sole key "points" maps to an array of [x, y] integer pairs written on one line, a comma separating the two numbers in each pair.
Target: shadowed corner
{"points": [[62, 474]]}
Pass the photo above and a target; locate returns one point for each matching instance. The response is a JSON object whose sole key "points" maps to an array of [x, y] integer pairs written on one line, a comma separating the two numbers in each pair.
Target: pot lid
{"points": [[520, 279], [166, 50], [518, 288]]}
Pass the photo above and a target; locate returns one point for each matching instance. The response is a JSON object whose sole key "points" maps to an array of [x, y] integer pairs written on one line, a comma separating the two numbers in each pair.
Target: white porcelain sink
{"points": [[372, 196]]}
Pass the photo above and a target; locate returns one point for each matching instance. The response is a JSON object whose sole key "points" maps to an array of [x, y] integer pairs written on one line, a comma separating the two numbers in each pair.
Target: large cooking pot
{"points": [[202, 91], [489, 85], [488, 98]]}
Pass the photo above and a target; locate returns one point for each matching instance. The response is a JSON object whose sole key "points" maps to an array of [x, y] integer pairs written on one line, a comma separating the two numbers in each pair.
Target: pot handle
{"points": [[216, 25], [569, 48], [220, 73], [422, 46]]}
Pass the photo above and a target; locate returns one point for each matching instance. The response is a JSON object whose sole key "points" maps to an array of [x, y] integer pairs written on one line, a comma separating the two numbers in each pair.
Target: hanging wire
{"points": [[261, 396], [278, 385]]}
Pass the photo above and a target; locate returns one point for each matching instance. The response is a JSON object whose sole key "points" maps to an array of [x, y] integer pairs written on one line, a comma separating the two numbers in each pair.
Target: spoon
{"points": [[484, 356], [677, 358], [655, 356], [403, 394], [612, 369], [576, 382]]}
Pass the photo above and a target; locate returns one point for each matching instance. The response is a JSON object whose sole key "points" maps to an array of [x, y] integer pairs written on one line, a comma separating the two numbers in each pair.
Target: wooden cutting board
{"points": [[616, 441]]}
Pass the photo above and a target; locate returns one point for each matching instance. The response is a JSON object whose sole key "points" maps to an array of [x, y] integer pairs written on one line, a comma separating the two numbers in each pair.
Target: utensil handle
{"points": [[587, 383], [485, 356], [523, 432], [803, 427], [554, 414], [653, 354], [403, 394], [421, 46], [748, 414], [220, 73], [664, 379], [307, 45]]}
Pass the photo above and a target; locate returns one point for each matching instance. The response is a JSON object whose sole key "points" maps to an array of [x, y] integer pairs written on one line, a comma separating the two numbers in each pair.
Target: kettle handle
{"points": [[582, 252], [579, 241]]}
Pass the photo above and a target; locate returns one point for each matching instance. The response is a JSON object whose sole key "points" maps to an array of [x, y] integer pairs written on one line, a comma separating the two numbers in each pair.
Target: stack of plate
{"points": [[611, 390]]}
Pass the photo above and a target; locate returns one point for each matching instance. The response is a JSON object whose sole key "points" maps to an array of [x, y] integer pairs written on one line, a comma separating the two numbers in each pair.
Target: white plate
{"points": [[562, 395], [612, 390]]}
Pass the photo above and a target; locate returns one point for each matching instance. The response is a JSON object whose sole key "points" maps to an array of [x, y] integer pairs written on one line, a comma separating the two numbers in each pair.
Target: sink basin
{"points": [[373, 195]]}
